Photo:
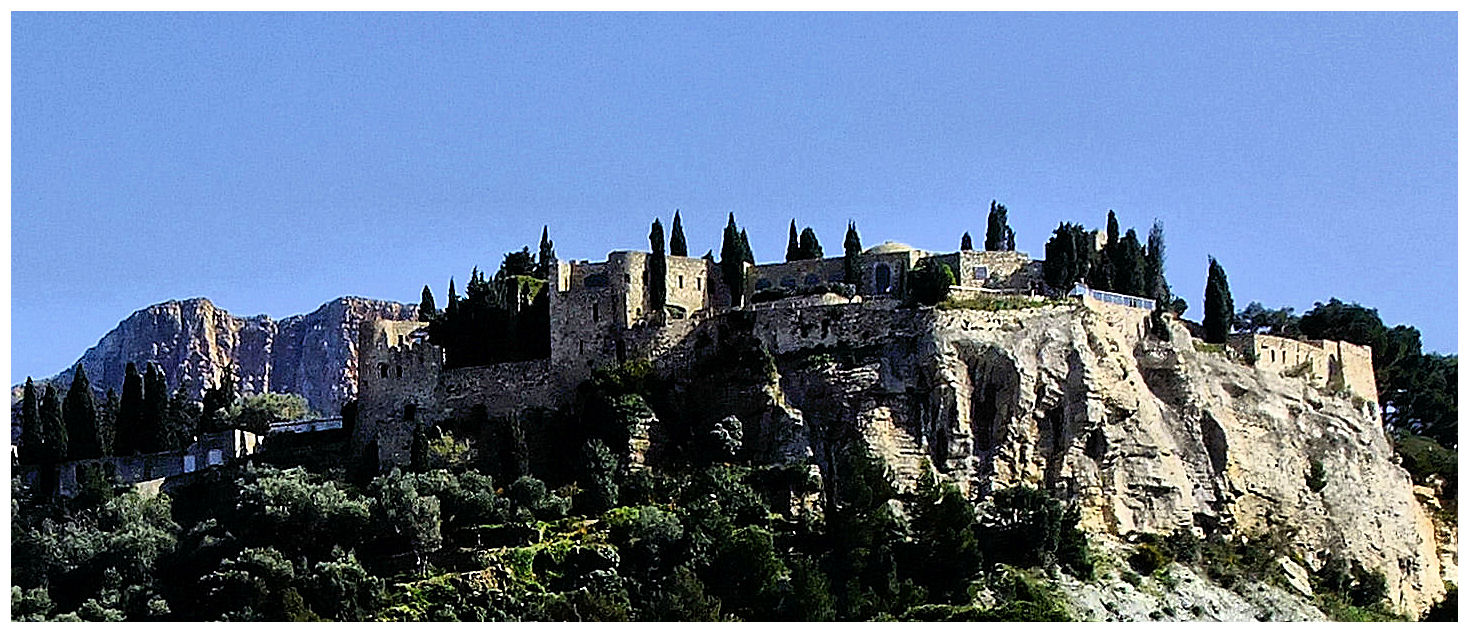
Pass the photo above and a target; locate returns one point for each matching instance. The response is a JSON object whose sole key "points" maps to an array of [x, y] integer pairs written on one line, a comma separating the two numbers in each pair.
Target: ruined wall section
{"points": [[1323, 363], [995, 270], [503, 389], [400, 370]]}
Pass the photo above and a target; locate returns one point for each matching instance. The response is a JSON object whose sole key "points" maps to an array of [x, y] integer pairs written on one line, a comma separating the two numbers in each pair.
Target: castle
{"points": [[603, 314]]}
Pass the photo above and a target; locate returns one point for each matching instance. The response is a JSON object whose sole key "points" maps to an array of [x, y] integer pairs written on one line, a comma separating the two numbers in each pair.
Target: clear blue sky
{"points": [[273, 162]]}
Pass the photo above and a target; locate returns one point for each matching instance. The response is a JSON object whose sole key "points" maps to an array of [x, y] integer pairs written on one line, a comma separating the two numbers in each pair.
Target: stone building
{"points": [[1329, 364]]}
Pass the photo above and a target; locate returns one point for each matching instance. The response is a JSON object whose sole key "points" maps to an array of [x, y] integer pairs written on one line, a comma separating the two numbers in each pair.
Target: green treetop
{"points": [[1218, 305], [677, 245], [80, 414]]}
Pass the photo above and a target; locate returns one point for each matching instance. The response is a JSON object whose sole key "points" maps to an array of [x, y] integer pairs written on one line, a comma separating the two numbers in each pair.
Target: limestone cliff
{"points": [[1146, 435], [313, 354]]}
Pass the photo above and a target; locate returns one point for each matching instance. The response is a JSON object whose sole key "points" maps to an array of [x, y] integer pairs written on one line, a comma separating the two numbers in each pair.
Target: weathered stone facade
{"points": [[1333, 364]]}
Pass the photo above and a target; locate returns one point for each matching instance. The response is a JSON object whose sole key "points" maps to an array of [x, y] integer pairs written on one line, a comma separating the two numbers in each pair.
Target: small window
{"points": [[698, 283], [596, 312], [680, 281], [399, 371], [981, 273], [382, 370]]}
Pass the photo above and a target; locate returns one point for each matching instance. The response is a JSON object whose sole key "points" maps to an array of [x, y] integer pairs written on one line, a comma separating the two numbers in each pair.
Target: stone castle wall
{"points": [[1322, 362], [399, 372]]}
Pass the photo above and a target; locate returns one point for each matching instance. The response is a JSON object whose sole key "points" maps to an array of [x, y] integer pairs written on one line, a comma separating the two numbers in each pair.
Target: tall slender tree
{"points": [[657, 270], [426, 308], [53, 428], [731, 262], [966, 243], [1218, 305], [79, 411], [1128, 267], [677, 245], [31, 438], [156, 429], [793, 245], [810, 247], [1068, 257], [183, 416], [1113, 233], [1156, 286], [997, 235], [851, 256], [746, 253], [546, 258], [128, 439], [217, 400], [107, 421]]}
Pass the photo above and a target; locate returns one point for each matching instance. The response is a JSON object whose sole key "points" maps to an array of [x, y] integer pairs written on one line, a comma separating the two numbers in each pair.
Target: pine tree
{"points": [[677, 245], [79, 412], [657, 270], [1156, 285], [156, 435], [731, 258], [546, 257], [810, 247], [426, 308], [128, 438], [1218, 305], [107, 421], [966, 243], [793, 245], [997, 235], [31, 449], [53, 428], [851, 256]]}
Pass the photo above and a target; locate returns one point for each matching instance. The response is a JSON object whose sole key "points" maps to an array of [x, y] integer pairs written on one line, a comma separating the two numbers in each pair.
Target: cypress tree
{"points": [[793, 245], [1130, 268], [53, 428], [546, 258], [851, 254], [731, 258], [746, 254], [657, 270], [30, 449], [1218, 305], [1156, 283], [810, 247], [453, 298], [217, 400], [966, 243], [426, 308], [1068, 257], [997, 234], [156, 433], [107, 422], [183, 418], [1112, 230], [677, 245], [79, 412], [127, 440]]}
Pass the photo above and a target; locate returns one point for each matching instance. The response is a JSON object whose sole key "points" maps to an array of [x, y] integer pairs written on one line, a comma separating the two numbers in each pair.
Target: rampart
{"points": [[1329, 364]]}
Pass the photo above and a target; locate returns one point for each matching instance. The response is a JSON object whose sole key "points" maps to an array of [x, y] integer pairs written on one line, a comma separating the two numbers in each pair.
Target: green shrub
{"points": [[1425, 458], [1316, 477], [992, 303], [1149, 558]]}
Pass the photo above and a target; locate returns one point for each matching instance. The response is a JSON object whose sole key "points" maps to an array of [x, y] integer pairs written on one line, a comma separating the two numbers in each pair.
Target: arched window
{"points": [[882, 278]]}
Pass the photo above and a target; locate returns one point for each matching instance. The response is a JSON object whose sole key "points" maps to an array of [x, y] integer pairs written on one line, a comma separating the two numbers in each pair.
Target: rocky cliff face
{"points": [[314, 354], [1146, 435]]}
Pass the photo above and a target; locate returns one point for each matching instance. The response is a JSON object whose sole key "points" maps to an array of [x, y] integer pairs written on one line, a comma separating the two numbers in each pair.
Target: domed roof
{"points": [[888, 247]]}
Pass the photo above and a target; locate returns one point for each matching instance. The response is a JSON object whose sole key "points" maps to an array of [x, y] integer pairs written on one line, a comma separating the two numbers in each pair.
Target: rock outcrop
{"points": [[1145, 435], [313, 354]]}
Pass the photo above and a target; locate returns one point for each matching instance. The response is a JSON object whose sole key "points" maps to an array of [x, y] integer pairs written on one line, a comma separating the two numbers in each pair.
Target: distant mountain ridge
{"points": [[312, 354]]}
